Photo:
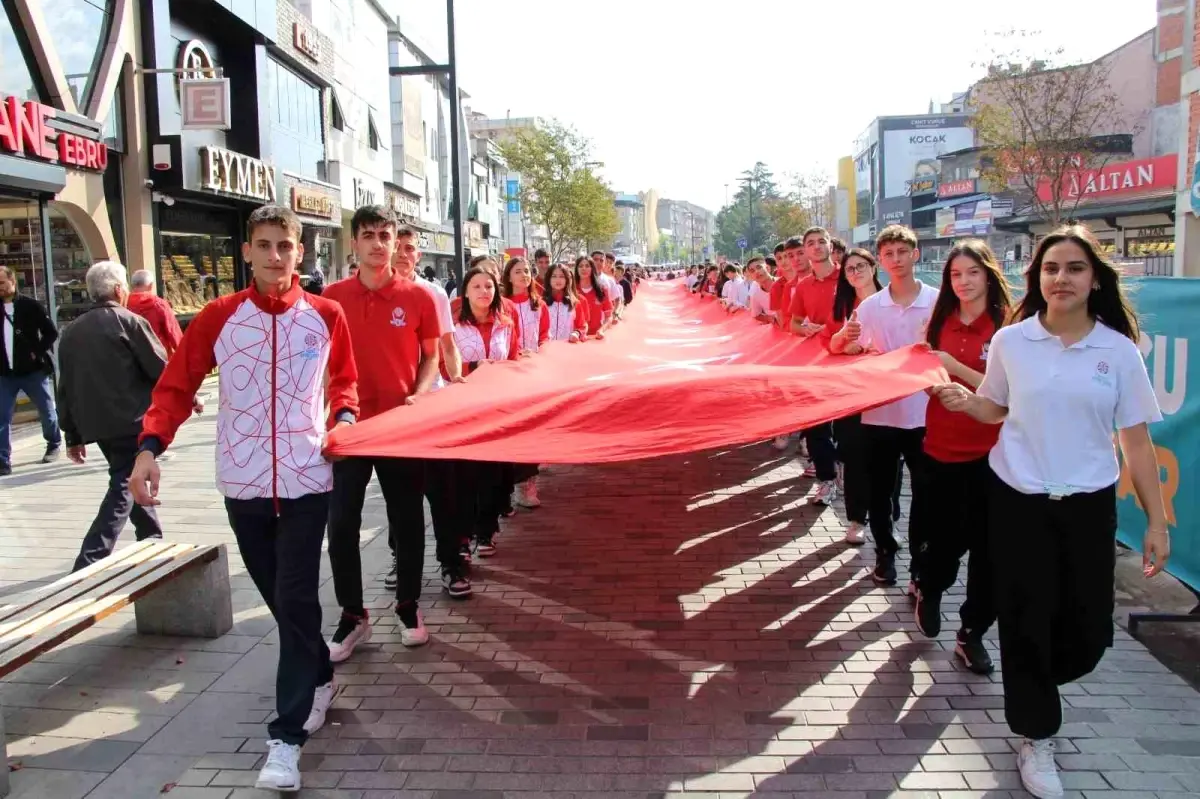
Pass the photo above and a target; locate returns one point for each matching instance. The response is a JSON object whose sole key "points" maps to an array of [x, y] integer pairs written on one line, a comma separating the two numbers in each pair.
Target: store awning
{"points": [[1154, 205], [950, 203]]}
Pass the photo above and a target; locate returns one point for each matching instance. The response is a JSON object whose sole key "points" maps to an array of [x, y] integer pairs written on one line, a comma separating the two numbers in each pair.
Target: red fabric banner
{"points": [[678, 375]]}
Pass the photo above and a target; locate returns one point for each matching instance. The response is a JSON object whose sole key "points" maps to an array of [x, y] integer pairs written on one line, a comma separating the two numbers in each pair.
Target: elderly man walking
{"points": [[109, 361]]}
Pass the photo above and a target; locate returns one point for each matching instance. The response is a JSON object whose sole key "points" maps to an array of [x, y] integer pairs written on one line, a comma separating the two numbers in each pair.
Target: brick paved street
{"points": [[677, 627]]}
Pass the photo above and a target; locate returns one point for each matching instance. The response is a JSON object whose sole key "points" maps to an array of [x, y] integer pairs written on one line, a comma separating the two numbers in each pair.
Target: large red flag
{"points": [[678, 375]]}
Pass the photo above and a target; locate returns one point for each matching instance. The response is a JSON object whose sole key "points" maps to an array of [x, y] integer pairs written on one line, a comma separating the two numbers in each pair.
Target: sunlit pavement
{"points": [[687, 626]]}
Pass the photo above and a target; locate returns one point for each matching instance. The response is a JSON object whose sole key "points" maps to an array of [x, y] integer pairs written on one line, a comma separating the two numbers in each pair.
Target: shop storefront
{"points": [[319, 206], [207, 181]]}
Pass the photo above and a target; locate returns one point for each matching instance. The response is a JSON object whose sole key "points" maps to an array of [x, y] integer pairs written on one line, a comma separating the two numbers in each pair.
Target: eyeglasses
{"points": [[857, 269]]}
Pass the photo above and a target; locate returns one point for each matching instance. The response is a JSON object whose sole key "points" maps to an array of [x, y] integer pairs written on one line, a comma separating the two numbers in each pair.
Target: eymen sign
{"points": [[234, 173], [1126, 178], [25, 130]]}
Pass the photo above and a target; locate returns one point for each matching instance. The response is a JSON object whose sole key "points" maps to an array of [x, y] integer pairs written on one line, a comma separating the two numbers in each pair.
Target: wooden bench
{"points": [[176, 589]]}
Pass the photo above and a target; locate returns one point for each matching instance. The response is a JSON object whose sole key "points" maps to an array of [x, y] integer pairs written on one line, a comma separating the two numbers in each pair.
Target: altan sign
{"points": [[313, 203], [234, 173], [1141, 176], [25, 130]]}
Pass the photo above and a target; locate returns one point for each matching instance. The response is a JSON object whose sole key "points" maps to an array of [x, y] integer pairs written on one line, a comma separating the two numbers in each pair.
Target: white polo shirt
{"points": [[731, 292], [612, 289], [760, 301], [887, 326], [1063, 405], [444, 314]]}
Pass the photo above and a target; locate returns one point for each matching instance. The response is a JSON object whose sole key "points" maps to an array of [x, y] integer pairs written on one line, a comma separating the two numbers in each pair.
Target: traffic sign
{"points": [[741, 244], [1196, 189]]}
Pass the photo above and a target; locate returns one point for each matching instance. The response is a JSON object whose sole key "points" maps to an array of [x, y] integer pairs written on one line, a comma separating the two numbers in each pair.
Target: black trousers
{"points": [[446, 491], [117, 507], [852, 452], [885, 447], [954, 497], [488, 488], [1054, 561], [523, 471], [402, 481], [282, 552], [822, 450]]}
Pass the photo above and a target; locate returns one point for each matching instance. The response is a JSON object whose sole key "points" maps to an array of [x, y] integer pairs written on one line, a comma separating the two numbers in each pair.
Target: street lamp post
{"points": [[450, 70]]}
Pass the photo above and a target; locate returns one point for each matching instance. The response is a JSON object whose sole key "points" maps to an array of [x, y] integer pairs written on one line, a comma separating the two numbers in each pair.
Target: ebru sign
{"points": [[1142, 176], [25, 130]]}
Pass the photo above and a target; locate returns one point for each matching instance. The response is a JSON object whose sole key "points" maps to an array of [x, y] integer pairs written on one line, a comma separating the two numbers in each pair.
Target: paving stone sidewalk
{"points": [[687, 626]]}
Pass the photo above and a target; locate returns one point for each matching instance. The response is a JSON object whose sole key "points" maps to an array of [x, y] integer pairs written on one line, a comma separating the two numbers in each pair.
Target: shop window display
{"points": [[21, 248], [195, 269]]}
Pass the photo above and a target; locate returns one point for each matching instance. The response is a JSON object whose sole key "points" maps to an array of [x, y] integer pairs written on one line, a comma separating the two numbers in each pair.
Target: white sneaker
{"points": [[350, 633], [1039, 774], [531, 494], [780, 443], [826, 493], [415, 635], [282, 770], [856, 534], [322, 699]]}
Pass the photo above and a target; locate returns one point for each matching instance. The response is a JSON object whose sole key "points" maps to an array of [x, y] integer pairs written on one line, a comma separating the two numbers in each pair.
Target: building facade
{"points": [[685, 230]]}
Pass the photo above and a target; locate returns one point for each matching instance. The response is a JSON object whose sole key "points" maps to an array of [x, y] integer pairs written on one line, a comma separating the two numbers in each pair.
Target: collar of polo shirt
{"points": [[925, 297], [1101, 337]]}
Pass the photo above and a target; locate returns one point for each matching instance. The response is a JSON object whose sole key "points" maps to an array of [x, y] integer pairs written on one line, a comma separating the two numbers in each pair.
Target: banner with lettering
{"points": [[1167, 307]]}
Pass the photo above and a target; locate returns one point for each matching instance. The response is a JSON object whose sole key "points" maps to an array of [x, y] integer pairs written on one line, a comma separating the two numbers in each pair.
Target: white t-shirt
{"points": [[733, 291], [760, 302], [444, 314], [612, 289], [888, 326], [1063, 405], [690, 282], [6, 322]]}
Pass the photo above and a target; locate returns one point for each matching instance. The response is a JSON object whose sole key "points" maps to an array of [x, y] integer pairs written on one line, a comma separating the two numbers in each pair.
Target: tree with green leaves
{"points": [[761, 215], [558, 187], [1038, 123]]}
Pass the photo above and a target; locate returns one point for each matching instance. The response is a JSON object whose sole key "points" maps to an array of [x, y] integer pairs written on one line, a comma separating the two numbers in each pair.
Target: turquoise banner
{"points": [[1169, 309]]}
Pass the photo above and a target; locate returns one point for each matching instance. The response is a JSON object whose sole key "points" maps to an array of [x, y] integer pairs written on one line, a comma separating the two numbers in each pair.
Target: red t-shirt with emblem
{"points": [[387, 328], [952, 437]]}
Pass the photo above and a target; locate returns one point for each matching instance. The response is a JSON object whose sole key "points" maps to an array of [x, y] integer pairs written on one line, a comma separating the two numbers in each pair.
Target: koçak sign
{"points": [[25, 130], [1128, 177]]}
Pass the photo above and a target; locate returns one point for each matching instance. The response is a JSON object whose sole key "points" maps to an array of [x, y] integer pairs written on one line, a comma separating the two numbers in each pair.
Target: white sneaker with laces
{"points": [[826, 493], [856, 534], [531, 494], [780, 443], [1039, 774], [416, 635], [282, 770], [322, 699]]}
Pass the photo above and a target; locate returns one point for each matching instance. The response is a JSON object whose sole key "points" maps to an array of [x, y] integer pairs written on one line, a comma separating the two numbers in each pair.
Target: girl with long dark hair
{"points": [[972, 305], [591, 291], [568, 314], [857, 279], [1060, 380], [518, 285], [485, 332]]}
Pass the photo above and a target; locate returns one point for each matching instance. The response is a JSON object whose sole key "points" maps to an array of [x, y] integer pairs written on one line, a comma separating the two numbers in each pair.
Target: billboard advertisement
{"points": [[896, 211], [414, 132], [965, 219], [911, 146]]}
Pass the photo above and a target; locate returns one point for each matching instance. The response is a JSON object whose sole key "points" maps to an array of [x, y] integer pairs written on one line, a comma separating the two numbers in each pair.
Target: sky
{"points": [[682, 96]]}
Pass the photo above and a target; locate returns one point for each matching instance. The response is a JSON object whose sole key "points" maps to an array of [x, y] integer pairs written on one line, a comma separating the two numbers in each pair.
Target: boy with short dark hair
{"points": [[284, 357]]}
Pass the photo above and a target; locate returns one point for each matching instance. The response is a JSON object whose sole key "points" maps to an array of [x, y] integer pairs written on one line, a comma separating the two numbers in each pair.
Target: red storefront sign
{"points": [[24, 130], [1126, 178], [955, 188]]}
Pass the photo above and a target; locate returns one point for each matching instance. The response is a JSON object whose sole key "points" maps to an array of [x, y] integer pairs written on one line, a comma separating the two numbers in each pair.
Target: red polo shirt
{"points": [[956, 437], [387, 327], [813, 298], [596, 309]]}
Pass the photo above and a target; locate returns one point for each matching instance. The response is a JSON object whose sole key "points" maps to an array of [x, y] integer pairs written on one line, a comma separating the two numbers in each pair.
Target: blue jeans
{"points": [[37, 387]]}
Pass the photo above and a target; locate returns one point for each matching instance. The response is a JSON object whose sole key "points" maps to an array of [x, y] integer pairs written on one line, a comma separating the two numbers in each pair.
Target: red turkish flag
{"points": [[678, 375]]}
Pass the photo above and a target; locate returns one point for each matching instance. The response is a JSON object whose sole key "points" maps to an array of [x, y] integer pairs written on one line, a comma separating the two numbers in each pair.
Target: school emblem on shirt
{"points": [[310, 352], [398, 317], [1101, 375], [310, 340], [1102, 368]]}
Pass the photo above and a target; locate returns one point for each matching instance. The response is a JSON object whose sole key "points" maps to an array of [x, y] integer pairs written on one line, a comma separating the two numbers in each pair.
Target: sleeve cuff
{"points": [[153, 445], [345, 415]]}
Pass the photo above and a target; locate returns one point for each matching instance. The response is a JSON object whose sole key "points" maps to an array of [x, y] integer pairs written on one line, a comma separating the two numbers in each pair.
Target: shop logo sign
{"points": [[235, 173], [195, 62], [25, 130]]}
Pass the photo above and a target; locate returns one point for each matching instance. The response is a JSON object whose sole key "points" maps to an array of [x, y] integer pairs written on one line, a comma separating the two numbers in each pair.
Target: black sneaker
{"points": [[5, 470], [973, 654], [456, 583], [52, 454], [485, 545], [885, 570], [929, 613], [391, 579]]}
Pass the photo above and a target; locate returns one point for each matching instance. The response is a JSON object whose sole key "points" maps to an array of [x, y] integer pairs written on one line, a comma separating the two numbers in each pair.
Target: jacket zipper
{"points": [[274, 429]]}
